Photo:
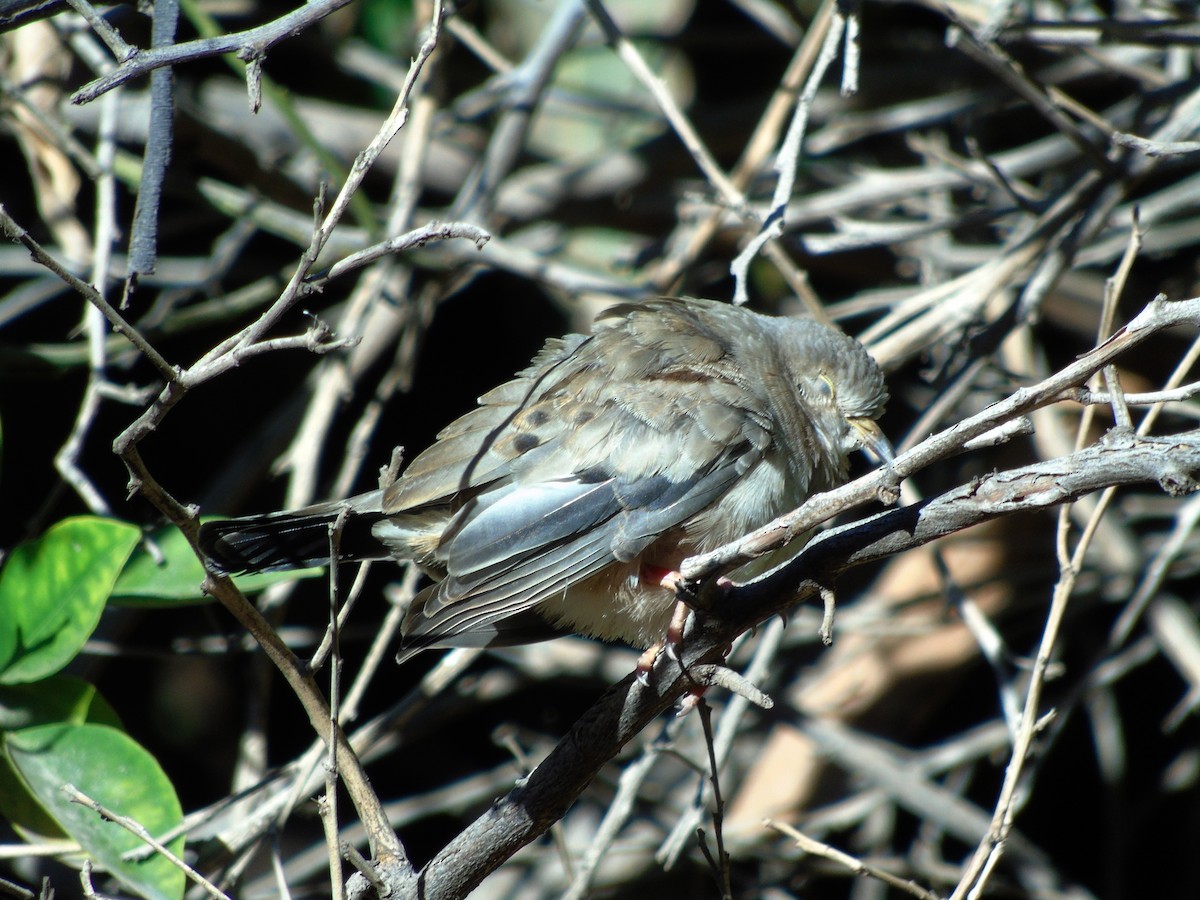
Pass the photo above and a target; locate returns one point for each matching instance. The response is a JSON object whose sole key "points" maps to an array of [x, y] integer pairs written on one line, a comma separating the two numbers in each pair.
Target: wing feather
{"points": [[454, 624], [526, 522]]}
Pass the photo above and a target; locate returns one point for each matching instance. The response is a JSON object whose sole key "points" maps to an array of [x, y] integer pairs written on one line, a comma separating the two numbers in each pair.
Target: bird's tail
{"points": [[295, 539]]}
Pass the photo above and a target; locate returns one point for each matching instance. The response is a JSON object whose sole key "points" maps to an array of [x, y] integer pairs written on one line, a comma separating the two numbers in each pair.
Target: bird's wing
{"points": [[662, 348], [611, 445], [480, 447], [511, 548]]}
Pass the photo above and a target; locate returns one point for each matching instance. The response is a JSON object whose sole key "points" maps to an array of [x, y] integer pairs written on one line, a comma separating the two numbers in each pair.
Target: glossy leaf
{"points": [[58, 699], [53, 590], [172, 576], [112, 769]]}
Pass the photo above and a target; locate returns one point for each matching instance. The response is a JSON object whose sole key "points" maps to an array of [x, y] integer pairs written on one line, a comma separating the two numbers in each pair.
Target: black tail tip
{"points": [[238, 546]]}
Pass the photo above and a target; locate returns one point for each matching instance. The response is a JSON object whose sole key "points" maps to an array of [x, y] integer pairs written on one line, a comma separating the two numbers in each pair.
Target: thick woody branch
{"points": [[1120, 458]]}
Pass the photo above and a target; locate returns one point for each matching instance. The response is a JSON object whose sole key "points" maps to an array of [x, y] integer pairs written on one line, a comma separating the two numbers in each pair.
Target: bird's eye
{"points": [[824, 385]]}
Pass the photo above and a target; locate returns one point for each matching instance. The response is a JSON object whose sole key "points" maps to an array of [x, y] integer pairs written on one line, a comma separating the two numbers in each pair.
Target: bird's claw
{"points": [[689, 701], [645, 663]]}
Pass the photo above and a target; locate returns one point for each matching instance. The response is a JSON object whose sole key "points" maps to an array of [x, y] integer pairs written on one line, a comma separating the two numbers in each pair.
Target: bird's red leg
{"points": [[645, 663], [669, 579], [672, 581]]}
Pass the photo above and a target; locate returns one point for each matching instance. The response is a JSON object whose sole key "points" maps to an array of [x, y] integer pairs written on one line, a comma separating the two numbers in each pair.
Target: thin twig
{"points": [[418, 237], [721, 863], [855, 865], [16, 233], [139, 831], [120, 49], [261, 38], [787, 160]]}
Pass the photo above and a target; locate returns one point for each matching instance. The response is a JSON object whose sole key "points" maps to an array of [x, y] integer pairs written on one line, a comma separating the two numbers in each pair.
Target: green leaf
{"points": [[59, 699], [173, 577], [54, 700], [606, 250], [21, 808], [52, 592], [112, 769]]}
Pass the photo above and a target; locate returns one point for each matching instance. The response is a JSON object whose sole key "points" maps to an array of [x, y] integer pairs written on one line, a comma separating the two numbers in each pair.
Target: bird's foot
{"points": [[674, 582], [645, 663], [670, 643], [690, 701]]}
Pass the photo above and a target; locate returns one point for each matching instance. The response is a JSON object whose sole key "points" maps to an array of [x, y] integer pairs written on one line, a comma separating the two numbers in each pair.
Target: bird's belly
{"points": [[624, 602]]}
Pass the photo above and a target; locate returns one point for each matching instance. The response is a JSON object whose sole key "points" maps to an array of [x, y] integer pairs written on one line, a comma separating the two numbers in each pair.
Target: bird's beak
{"points": [[873, 440]]}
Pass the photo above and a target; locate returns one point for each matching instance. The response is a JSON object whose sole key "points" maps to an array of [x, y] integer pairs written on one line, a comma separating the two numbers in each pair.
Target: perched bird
{"points": [[565, 499]]}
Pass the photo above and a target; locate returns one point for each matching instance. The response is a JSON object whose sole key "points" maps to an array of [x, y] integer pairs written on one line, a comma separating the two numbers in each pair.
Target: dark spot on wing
{"points": [[593, 476], [649, 491], [525, 442], [536, 417], [584, 416]]}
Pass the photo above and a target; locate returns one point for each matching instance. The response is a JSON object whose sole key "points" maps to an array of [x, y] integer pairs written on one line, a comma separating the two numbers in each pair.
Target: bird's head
{"points": [[841, 386]]}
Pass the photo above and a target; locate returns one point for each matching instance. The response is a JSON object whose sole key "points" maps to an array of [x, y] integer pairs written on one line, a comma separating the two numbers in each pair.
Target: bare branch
{"points": [[260, 39]]}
